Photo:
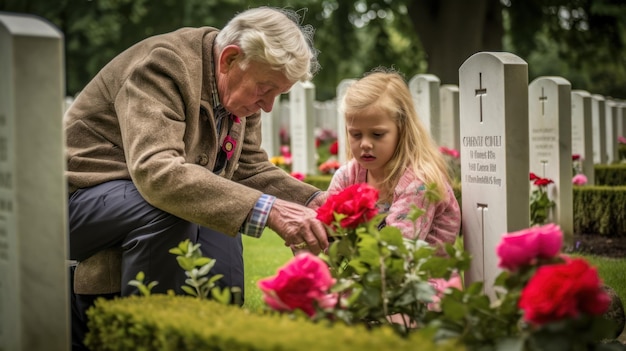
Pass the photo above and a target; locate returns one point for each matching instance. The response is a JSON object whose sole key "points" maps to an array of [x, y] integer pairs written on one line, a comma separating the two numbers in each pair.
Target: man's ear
{"points": [[229, 56]]}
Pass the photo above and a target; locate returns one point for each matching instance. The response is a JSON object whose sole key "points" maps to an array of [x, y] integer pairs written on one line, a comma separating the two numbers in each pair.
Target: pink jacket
{"points": [[438, 225]]}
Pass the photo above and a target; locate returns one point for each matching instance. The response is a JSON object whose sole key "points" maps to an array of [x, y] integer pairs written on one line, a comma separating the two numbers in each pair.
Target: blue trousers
{"points": [[115, 214]]}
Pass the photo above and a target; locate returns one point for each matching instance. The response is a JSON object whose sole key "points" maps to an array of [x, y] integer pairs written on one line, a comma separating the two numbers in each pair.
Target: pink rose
{"points": [[302, 283], [298, 175], [440, 285], [521, 248], [579, 179]]}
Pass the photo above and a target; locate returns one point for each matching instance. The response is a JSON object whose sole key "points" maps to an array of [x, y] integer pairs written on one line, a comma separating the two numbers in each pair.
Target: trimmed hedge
{"points": [[600, 210], [179, 323], [614, 174]]}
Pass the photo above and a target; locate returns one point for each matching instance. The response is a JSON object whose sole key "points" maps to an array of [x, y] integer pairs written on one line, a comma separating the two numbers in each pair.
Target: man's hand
{"points": [[297, 225]]}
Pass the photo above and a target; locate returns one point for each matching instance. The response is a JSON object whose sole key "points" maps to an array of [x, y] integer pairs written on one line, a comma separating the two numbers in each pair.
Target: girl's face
{"points": [[373, 137]]}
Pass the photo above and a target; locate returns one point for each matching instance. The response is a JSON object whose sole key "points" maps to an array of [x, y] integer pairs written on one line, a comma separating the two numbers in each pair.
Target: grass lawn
{"points": [[262, 257]]}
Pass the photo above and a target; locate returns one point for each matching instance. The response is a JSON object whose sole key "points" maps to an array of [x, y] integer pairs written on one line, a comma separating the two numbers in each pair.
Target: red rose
{"points": [[302, 283], [575, 157], [561, 291], [357, 203], [543, 181], [333, 148]]}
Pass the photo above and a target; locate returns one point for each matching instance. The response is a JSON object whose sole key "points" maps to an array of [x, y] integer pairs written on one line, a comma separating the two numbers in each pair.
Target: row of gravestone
{"points": [[596, 122], [494, 101], [504, 128]]}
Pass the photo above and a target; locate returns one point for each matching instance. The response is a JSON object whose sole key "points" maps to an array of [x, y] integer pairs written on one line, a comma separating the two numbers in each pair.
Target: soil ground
{"points": [[599, 245]]}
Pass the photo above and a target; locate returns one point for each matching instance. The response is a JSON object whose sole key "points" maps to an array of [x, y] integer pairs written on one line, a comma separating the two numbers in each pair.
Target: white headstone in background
{"points": [[302, 128], [285, 125], [270, 129], [550, 135], [425, 91], [34, 296], [621, 118], [598, 129], [611, 130], [449, 114], [325, 115], [341, 120], [582, 142], [493, 91]]}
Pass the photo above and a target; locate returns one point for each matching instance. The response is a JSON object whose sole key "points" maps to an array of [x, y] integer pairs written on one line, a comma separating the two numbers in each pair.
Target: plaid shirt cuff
{"points": [[255, 224]]}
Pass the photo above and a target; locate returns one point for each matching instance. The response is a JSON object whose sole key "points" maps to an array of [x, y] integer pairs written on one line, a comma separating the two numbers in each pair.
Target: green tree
{"points": [[583, 41]]}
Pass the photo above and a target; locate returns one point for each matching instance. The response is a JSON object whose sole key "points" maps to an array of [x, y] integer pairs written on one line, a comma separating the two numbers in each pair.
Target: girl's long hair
{"points": [[386, 90]]}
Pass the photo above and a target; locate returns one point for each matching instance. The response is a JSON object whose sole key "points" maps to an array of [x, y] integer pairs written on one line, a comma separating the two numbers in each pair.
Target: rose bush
{"points": [[541, 300], [540, 202]]}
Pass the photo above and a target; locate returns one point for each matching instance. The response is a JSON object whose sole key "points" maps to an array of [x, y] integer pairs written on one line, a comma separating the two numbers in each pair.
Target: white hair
{"points": [[273, 36]]}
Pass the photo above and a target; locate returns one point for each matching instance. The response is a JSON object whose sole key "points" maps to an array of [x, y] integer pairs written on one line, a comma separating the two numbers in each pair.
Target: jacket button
{"points": [[202, 159]]}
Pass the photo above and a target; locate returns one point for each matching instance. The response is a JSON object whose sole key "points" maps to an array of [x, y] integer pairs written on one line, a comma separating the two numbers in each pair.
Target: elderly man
{"points": [[163, 145]]}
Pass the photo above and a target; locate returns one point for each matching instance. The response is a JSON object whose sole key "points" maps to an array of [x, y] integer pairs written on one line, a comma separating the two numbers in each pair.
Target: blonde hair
{"points": [[272, 36], [386, 90]]}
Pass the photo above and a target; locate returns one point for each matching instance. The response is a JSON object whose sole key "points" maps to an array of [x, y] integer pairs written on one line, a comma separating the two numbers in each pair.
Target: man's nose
{"points": [[267, 103]]}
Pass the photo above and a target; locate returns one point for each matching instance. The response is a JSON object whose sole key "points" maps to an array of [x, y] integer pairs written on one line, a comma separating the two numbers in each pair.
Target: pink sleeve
{"points": [[438, 225]]}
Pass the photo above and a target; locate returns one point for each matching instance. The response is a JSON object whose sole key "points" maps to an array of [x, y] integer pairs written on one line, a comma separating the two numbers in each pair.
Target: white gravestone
{"points": [[550, 128], [582, 142], [611, 130], [302, 128], [598, 129], [341, 120], [621, 116], [270, 129], [34, 286], [449, 115], [425, 91], [325, 115], [493, 92]]}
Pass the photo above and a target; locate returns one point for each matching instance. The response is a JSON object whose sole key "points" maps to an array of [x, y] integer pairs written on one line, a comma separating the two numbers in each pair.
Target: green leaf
{"points": [[189, 290], [222, 296]]}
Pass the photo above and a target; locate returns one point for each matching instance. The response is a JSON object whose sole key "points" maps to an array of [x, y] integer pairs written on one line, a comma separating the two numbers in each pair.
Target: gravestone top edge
{"points": [[502, 56], [556, 79], [426, 76], [27, 25], [581, 92], [305, 84], [598, 97], [452, 87]]}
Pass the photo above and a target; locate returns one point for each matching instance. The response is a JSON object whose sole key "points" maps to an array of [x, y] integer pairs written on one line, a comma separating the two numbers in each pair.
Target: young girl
{"points": [[390, 149]]}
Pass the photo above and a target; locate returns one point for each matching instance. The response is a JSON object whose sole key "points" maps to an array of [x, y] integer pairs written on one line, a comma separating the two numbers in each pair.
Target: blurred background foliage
{"points": [[583, 41]]}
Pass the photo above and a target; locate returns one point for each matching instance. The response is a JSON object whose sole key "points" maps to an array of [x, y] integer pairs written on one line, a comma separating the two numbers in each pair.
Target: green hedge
{"points": [[180, 323], [614, 174], [600, 210]]}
